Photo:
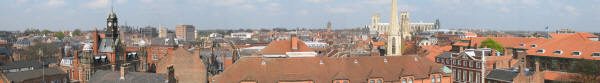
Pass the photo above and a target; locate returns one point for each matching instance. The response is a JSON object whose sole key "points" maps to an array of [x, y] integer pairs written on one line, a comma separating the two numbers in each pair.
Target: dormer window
{"points": [[558, 52], [522, 45], [596, 54], [541, 51], [341, 81], [533, 46], [576, 53]]}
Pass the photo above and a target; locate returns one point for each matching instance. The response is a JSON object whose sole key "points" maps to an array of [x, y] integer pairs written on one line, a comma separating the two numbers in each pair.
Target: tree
{"points": [[588, 71], [77, 32], [60, 35], [46, 31], [47, 49], [491, 43]]}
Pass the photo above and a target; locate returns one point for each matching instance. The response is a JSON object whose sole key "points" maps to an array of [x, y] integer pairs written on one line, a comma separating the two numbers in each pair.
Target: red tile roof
{"points": [[380, 43], [272, 70], [577, 42], [435, 50], [470, 34], [505, 41], [282, 46]]}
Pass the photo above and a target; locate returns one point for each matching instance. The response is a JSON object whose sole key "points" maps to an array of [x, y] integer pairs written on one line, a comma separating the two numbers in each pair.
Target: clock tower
{"points": [[112, 30]]}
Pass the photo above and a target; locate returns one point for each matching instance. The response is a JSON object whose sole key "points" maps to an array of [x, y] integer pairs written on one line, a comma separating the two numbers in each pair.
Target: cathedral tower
{"points": [[405, 24]]}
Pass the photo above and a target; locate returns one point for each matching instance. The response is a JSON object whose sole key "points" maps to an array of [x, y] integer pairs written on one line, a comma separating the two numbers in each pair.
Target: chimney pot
{"points": [[122, 73]]}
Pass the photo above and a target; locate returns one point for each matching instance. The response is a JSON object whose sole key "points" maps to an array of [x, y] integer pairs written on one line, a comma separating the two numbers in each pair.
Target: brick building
{"points": [[367, 69]]}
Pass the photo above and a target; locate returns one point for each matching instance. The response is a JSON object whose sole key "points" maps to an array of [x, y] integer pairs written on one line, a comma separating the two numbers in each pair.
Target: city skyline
{"points": [[529, 15]]}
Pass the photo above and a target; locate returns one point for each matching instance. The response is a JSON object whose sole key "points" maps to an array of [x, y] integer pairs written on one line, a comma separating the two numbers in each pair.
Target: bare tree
{"points": [[588, 71]]}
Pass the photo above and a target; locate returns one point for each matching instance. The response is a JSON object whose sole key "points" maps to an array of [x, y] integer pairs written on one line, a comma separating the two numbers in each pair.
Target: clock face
{"points": [[109, 24]]}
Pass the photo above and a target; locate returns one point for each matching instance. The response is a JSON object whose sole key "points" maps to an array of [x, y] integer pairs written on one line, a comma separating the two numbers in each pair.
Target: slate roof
{"points": [[106, 45], [20, 76], [106, 76], [502, 75], [27, 63]]}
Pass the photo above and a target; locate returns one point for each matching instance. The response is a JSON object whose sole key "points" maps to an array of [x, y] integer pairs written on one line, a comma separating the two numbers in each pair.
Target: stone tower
{"points": [[112, 30], [394, 41], [329, 26], [405, 24]]}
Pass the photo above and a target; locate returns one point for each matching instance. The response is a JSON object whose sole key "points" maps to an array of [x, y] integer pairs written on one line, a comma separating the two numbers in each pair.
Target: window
{"points": [[465, 74], [372, 81], [439, 78], [470, 63], [477, 77], [576, 53], [154, 57], [404, 80], [541, 51], [455, 74], [378, 81], [437, 60], [533, 46], [459, 77], [464, 63], [558, 52], [410, 80], [432, 79], [596, 54], [521, 45], [477, 65], [470, 76]]}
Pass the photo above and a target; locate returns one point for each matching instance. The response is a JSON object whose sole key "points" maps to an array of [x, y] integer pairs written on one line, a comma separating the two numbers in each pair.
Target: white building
{"points": [[241, 35]]}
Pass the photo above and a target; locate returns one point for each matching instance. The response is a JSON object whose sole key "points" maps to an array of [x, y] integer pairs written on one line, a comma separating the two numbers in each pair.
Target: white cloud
{"points": [[505, 10], [261, 0], [97, 4], [571, 10], [228, 2], [121, 1], [55, 3], [146, 1], [340, 10], [318, 1], [248, 7], [23, 1], [303, 12]]}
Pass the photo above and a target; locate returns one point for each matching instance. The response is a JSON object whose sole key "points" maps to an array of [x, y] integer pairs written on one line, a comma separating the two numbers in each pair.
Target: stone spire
{"points": [[394, 41]]}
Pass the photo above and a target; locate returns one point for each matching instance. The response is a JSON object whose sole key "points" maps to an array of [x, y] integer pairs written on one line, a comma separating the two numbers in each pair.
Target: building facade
{"points": [[186, 32]]}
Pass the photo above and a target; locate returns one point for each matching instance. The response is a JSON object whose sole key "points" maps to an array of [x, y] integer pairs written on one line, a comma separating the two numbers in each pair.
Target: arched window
{"points": [[393, 45], [379, 81], [439, 78], [410, 80], [404, 80], [432, 79], [372, 81]]}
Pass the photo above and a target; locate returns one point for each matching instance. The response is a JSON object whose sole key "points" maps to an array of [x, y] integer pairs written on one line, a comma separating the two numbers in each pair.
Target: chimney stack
{"points": [[122, 73], [294, 41], [170, 74], [537, 66], [113, 67]]}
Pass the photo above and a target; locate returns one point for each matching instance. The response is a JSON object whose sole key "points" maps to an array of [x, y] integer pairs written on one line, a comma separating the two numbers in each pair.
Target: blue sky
{"points": [[528, 15]]}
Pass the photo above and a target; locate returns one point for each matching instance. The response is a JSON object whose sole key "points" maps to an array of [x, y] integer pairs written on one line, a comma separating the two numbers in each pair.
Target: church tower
{"points": [[394, 41], [405, 24], [329, 26], [112, 30]]}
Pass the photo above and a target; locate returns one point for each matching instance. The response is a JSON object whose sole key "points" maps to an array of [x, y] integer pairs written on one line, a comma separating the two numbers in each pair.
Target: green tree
{"points": [[588, 71], [46, 31], [60, 35], [491, 43], [77, 32]]}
